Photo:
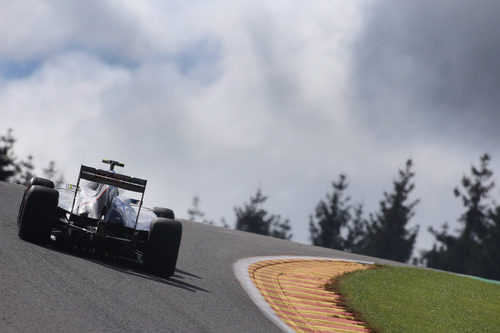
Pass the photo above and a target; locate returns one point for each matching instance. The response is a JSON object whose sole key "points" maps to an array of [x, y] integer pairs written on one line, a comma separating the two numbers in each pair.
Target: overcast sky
{"points": [[218, 98]]}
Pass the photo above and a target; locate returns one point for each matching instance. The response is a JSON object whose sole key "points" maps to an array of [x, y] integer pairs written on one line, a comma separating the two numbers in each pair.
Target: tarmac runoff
{"points": [[290, 292]]}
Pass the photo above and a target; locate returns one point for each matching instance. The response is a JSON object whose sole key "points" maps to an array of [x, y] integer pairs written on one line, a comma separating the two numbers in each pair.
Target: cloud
{"points": [[60, 102], [215, 99], [431, 63]]}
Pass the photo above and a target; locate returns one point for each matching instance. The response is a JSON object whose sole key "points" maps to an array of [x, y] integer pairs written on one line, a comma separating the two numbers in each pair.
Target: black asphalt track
{"points": [[46, 290]]}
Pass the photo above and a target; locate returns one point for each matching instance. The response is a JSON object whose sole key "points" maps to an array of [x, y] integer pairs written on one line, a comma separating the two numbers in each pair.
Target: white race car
{"points": [[95, 215]]}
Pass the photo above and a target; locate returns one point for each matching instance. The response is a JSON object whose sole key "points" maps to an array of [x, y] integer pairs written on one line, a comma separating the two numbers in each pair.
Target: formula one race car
{"points": [[95, 215]]}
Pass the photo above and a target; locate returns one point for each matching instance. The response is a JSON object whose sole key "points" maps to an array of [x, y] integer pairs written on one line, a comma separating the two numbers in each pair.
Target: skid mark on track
{"points": [[290, 291]]}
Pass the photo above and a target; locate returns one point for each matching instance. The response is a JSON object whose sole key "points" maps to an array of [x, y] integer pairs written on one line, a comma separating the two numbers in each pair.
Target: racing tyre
{"points": [[164, 212], [42, 182], [162, 248], [34, 181], [37, 213]]}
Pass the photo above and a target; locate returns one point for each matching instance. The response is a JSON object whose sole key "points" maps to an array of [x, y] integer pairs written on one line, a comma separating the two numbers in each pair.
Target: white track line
{"points": [[240, 268]]}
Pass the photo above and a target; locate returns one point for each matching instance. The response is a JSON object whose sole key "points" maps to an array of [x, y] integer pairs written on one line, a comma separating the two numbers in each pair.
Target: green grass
{"points": [[395, 299]]}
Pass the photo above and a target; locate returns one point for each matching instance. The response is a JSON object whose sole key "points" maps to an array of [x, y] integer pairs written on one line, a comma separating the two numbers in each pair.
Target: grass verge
{"points": [[396, 299]]}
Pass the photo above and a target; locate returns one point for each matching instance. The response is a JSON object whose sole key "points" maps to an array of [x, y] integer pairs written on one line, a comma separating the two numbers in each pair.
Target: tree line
{"points": [[20, 171], [338, 223]]}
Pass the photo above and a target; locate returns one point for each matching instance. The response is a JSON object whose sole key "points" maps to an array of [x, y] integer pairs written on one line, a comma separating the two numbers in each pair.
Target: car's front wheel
{"points": [[164, 212], [162, 247]]}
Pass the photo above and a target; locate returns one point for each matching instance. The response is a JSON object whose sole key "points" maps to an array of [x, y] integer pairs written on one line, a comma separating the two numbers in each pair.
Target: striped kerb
{"points": [[295, 290]]}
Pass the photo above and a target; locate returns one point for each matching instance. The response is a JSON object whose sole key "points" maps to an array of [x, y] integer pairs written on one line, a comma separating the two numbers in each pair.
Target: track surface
{"points": [[43, 289]]}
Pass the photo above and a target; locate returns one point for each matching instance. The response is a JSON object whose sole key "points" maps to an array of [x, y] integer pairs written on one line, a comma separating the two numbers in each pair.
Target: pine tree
{"points": [[491, 247], [194, 213], [253, 218], [8, 166], [356, 231], [465, 252], [387, 234], [53, 174], [476, 191], [330, 217], [280, 228], [26, 171]]}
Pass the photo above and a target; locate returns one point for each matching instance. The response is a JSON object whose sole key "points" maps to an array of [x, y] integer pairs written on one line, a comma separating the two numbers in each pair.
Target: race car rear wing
{"points": [[113, 179]]}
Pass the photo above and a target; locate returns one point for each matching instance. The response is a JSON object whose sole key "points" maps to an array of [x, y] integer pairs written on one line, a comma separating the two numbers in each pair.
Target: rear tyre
{"points": [[37, 214], [164, 212], [162, 247]]}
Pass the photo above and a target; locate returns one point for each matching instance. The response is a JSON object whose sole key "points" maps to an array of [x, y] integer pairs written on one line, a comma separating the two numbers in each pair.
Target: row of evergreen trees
{"points": [[339, 224]]}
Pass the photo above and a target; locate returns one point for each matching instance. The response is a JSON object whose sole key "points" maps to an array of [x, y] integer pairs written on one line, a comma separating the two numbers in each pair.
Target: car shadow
{"points": [[188, 274], [134, 268]]}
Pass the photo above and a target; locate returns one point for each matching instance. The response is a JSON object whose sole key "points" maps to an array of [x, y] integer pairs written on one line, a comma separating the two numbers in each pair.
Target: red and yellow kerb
{"points": [[295, 290]]}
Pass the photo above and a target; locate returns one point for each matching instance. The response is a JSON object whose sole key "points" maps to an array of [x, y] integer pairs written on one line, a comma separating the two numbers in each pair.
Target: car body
{"points": [[95, 215]]}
